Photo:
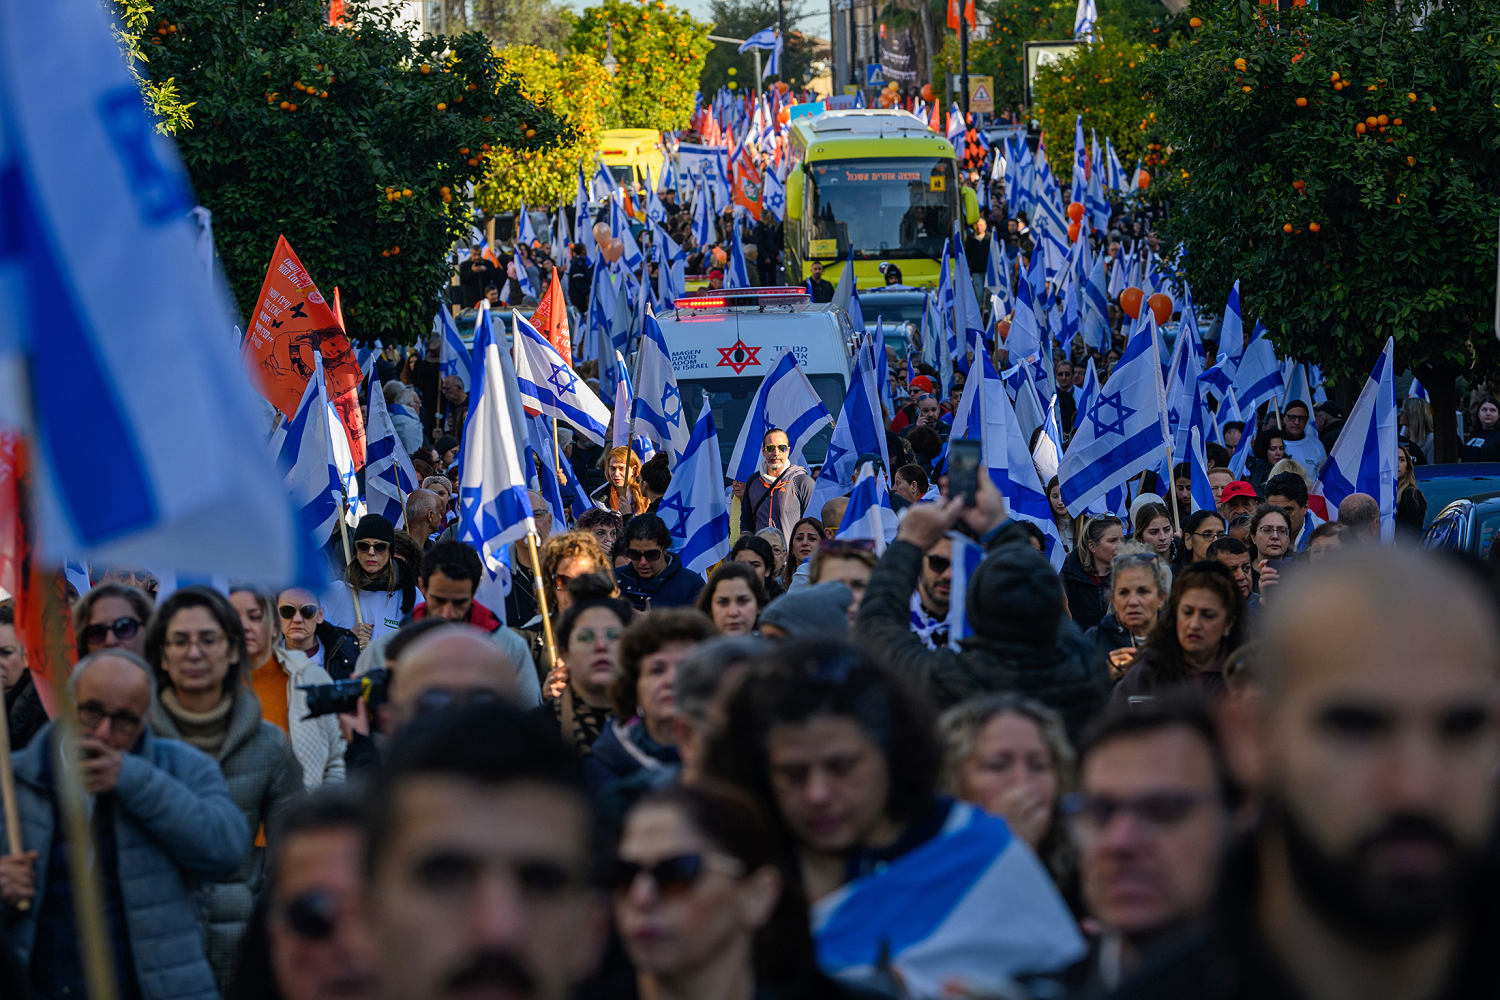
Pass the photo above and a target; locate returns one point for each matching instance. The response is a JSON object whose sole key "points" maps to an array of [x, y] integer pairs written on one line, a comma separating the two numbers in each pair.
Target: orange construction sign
{"points": [[551, 319], [292, 321]]}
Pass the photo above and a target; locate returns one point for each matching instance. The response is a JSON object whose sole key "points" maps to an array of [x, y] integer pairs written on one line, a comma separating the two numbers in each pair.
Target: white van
{"points": [[725, 342]]}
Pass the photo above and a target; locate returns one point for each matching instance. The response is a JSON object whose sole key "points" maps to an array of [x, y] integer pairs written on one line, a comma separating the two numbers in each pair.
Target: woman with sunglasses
{"points": [[110, 615], [277, 676], [196, 647], [387, 586], [1203, 623], [588, 642], [702, 906], [843, 755]]}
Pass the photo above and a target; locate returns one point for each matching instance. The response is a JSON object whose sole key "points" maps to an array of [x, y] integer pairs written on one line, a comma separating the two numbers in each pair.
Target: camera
{"points": [[342, 696]]}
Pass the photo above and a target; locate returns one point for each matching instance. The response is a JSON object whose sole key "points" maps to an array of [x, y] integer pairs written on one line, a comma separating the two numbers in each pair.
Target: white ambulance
{"points": [[724, 342]]}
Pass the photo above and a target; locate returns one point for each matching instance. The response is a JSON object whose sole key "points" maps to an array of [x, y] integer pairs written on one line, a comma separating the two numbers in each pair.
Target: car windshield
{"points": [[624, 173], [898, 208], [730, 400]]}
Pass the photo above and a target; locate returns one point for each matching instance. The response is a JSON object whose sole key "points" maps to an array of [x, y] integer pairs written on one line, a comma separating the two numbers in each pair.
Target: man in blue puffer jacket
{"points": [[161, 816]]}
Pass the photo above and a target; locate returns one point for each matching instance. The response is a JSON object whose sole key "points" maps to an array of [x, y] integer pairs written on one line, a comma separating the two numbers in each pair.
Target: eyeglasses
{"points": [[587, 636], [939, 564], [123, 628], [649, 555], [1090, 815], [290, 611], [1273, 530], [672, 876], [366, 546], [312, 915], [205, 641], [773, 448], [1211, 535], [91, 713]]}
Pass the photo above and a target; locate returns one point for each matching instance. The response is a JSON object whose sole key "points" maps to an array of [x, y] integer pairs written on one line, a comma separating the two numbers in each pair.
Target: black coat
{"points": [[23, 711], [1088, 597], [340, 650]]}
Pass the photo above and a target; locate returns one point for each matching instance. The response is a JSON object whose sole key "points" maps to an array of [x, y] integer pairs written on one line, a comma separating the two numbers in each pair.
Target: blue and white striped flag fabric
{"points": [[1080, 186], [773, 195], [869, 516], [1203, 491], [846, 295], [1183, 407], [1084, 394], [1257, 378], [659, 414], [549, 385], [494, 508], [737, 275], [453, 356], [859, 431], [765, 39], [694, 507], [671, 271], [539, 456], [365, 355], [525, 231], [389, 475], [703, 227], [314, 454], [620, 422], [785, 401], [1239, 462], [1363, 459], [1232, 329], [148, 445], [1086, 21], [1124, 431], [1025, 337], [1297, 385], [967, 555], [1095, 324], [1418, 391], [972, 905]]}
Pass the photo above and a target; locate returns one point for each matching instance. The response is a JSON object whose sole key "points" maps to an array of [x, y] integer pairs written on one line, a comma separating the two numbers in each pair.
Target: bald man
{"points": [[450, 663], [424, 516], [1360, 513], [1373, 746]]}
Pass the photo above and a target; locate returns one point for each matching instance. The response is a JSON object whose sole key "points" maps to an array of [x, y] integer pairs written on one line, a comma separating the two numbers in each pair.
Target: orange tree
{"points": [[659, 50], [355, 142], [1342, 163], [135, 26], [1106, 84], [574, 87]]}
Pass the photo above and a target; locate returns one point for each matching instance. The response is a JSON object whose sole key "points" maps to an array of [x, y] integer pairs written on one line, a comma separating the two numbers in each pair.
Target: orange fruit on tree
{"points": [[1239, 64], [1301, 102], [1313, 227], [1360, 128], [424, 69], [1411, 97], [1395, 121], [1287, 228], [1411, 161], [1334, 76], [441, 106], [1372, 121], [1383, 119], [406, 192]]}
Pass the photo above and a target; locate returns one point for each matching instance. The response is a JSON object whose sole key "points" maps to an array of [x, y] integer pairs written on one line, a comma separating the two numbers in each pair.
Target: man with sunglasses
{"points": [[930, 601], [300, 615], [163, 821], [655, 577], [1150, 821], [778, 496]]}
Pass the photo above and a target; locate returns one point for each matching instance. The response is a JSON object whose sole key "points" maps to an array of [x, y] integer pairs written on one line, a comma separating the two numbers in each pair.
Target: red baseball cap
{"points": [[920, 382], [1236, 489]]}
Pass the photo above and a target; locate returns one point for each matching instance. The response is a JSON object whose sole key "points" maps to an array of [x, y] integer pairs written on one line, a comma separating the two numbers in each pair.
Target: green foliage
{"points": [[306, 130], [1404, 210], [741, 19], [577, 89], [1106, 84], [660, 52], [162, 98], [506, 22]]}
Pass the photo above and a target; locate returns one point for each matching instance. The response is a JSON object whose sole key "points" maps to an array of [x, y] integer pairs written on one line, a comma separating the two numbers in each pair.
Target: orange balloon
{"points": [[1075, 211], [784, 115], [1143, 181], [928, 94], [1074, 228], [1130, 301], [782, 87], [887, 99], [1002, 329], [1161, 307]]}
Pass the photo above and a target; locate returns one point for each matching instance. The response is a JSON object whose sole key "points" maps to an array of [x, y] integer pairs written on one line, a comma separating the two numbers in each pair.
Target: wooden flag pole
{"points": [[12, 809], [359, 618], [547, 637], [1172, 492]]}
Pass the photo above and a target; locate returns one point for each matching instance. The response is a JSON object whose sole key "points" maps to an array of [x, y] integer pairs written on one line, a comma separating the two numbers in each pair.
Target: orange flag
{"points": [[44, 622], [551, 319], [292, 320], [747, 184]]}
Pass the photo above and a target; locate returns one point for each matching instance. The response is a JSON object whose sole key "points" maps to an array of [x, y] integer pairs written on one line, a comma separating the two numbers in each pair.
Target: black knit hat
{"points": [[376, 527], [1014, 597]]}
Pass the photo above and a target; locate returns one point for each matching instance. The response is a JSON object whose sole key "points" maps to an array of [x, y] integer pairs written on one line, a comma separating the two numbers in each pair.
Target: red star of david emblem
{"points": [[738, 356]]}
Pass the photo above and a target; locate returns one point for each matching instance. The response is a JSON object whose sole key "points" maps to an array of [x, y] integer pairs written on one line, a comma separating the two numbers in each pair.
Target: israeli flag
{"points": [[525, 231], [694, 508], [859, 430], [319, 468], [1084, 395], [389, 475], [967, 555], [656, 212], [1203, 492], [671, 269], [1297, 386], [785, 401], [453, 356], [1095, 326], [846, 295], [972, 904], [1232, 329], [1025, 337], [1258, 378], [1239, 462], [1124, 431], [494, 508], [603, 184], [539, 455], [737, 275], [773, 195], [1363, 459], [1184, 408], [703, 227], [1418, 391], [764, 39], [869, 516], [997, 270], [550, 386], [659, 415], [619, 228]]}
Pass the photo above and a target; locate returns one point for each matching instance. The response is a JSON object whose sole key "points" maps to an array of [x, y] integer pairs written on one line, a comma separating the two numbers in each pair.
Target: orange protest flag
{"points": [[551, 319], [747, 184], [953, 15], [969, 14], [291, 321]]}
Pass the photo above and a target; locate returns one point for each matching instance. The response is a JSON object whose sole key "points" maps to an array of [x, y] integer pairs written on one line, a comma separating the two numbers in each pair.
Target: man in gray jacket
{"points": [[161, 817]]}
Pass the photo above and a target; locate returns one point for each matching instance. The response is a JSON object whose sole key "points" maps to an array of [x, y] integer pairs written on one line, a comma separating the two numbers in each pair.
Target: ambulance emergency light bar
{"points": [[778, 295]]}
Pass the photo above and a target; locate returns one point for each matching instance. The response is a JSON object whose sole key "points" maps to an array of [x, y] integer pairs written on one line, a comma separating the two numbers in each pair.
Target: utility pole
{"points": [[963, 62]]}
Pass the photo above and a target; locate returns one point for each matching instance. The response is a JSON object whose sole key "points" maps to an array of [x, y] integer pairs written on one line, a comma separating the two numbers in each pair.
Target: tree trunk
{"points": [[1443, 394], [925, 14]]}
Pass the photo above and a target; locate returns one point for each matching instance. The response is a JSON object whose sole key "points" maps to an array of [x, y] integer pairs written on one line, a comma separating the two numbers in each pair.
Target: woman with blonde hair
{"points": [[621, 491], [1411, 504]]}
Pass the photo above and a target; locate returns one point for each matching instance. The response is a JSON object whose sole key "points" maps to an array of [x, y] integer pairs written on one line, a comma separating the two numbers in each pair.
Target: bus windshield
{"points": [[882, 208]]}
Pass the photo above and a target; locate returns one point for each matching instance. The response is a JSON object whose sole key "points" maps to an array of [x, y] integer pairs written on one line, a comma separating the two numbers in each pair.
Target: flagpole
{"points": [[12, 810], [547, 638], [1276, 408], [1172, 491], [556, 456], [359, 618]]}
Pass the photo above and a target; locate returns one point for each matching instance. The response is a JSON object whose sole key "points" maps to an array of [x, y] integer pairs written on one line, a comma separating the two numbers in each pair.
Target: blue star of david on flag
{"points": [[674, 504], [562, 379], [1122, 414], [671, 404]]}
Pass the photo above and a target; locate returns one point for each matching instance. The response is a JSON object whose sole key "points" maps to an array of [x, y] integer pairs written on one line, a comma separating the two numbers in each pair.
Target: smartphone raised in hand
{"points": [[963, 470]]}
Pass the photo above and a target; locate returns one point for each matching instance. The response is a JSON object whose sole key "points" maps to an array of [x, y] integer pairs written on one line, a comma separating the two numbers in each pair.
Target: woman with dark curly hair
{"points": [[1204, 621]]}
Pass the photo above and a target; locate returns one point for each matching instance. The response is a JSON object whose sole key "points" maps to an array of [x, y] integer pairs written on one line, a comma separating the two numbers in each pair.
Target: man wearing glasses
{"points": [[300, 615], [779, 495], [1150, 820], [163, 820]]}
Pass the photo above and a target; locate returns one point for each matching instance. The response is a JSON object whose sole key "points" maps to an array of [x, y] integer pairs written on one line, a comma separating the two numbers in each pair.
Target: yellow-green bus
{"points": [[879, 182]]}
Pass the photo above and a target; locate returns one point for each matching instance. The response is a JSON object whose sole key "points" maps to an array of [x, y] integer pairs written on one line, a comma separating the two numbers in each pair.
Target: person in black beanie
{"points": [[386, 586]]}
